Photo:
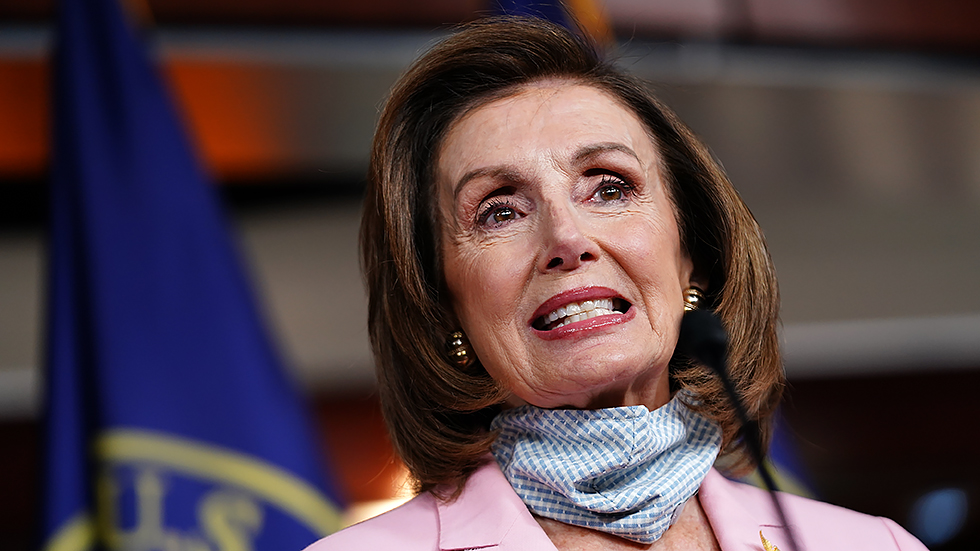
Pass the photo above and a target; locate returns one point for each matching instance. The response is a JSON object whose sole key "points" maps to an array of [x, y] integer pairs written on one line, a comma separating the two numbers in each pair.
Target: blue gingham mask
{"points": [[626, 471]]}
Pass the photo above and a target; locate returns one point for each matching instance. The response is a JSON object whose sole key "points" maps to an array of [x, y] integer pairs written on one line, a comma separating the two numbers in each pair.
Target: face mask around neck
{"points": [[627, 471]]}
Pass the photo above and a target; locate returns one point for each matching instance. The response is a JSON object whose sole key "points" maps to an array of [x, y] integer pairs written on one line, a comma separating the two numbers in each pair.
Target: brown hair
{"points": [[437, 413]]}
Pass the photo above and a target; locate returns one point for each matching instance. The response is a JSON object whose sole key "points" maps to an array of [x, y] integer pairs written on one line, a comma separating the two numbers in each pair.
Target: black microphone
{"points": [[703, 339]]}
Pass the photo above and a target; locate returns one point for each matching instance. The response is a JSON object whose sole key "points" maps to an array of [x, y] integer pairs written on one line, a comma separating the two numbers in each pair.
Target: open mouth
{"points": [[579, 311]]}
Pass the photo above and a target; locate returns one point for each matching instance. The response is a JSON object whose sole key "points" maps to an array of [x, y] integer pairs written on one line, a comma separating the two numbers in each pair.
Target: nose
{"points": [[566, 246]]}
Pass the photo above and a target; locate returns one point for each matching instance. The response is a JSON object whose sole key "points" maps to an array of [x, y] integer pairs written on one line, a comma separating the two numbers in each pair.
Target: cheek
{"points": [[486, 286], [648, 240], [650, 252], [485, 282]]}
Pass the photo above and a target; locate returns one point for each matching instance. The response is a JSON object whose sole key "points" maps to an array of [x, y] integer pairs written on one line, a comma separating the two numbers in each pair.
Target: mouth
{"points": [[573, 312]]}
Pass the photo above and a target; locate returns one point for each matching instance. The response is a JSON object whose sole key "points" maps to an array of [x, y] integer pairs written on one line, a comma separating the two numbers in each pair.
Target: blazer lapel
{"points": [[488, 514], [737, 516]]}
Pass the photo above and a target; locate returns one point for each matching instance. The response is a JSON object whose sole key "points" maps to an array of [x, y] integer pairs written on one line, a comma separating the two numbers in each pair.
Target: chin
{"points": [[607, 388]]}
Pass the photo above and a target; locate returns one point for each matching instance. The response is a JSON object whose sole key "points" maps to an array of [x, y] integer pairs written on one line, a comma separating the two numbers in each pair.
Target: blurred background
{"points": [[851, 128]]}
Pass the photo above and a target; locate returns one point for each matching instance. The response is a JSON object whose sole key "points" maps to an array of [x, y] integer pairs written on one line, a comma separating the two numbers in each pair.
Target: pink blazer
{"points": [[488, 515]]}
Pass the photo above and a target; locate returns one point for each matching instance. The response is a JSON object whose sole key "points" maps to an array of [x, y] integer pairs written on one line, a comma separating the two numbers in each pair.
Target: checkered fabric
{"points": [[626, 471]]}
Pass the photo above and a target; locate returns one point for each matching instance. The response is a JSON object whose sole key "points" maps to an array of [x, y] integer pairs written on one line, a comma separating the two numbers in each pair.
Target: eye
{"points": [[612, 188], [610, 193], [497, 212], [503, 214]]}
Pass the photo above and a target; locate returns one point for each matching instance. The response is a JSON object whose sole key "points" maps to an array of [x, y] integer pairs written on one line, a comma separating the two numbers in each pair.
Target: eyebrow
{"points": [[595, 150], [499, 172], [585, 153]]}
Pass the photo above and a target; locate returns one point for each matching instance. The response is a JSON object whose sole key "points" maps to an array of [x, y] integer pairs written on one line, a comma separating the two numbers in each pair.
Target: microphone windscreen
{"points": [[703, 339]]}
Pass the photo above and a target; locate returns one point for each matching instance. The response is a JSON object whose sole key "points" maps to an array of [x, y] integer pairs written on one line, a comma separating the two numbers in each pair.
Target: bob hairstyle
{"points": [[437, 413]]}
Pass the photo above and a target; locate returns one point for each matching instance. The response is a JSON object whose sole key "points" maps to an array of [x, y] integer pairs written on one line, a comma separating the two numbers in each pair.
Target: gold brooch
{"points": [[766, 544]]}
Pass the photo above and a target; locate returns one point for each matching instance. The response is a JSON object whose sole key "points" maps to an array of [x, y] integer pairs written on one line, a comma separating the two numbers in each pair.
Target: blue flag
{"points": [[170, 423], [581, 16], [552, 10]]}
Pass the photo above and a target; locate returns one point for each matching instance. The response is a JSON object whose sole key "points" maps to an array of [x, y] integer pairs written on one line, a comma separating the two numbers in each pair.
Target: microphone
{"points": [[703, 339]]}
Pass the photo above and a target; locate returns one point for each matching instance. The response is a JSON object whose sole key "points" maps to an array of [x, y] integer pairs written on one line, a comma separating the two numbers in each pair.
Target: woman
{"points": [[535, 226]]}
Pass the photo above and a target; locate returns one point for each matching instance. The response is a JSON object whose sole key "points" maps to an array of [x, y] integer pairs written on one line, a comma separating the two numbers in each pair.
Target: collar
{"points": [[738, 512], [487, 515], [735, 511]]}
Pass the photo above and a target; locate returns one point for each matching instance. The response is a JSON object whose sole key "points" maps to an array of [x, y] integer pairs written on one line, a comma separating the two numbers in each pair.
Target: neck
{"points": [[625, 471], [691, 532], [650, 395]]}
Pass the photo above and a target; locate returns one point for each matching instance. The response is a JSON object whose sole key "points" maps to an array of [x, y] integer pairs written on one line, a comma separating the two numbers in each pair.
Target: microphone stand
{"points": [[704, 339]]}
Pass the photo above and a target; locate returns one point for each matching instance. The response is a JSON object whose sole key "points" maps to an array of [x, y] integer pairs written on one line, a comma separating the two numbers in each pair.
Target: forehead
{"points": [[553, 116]]}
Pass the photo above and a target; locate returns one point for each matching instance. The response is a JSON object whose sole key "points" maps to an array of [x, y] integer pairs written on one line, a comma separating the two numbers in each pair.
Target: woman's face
{"points": [[552, 203]]}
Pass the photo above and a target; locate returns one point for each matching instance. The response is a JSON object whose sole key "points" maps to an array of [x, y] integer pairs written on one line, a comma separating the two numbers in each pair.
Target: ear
{"points": [[698, 280], [696, 277]]}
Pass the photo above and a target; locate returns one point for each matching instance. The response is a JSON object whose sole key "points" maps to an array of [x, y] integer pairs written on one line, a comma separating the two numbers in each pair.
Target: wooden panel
{"points": [[947, 25], [231, 117], [909, 24], [235, 115], [20, 482], [24, 118], [280, 12], [356, 441], [875, 444]]}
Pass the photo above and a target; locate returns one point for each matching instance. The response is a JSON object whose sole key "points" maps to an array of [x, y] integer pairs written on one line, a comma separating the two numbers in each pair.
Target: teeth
{"points": [[587, 315], [578, 311]]}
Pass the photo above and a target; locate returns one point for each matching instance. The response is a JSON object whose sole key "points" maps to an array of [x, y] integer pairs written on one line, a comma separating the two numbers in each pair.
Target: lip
{"points": [[579, 295]]}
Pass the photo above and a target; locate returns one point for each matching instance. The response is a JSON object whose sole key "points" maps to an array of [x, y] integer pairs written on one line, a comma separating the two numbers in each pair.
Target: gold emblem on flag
{"points": [[233, 492]]}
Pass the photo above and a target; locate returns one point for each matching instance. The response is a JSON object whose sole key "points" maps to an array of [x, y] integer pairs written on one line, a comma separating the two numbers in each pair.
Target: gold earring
{"points": [[693, 297], [458, 349]]}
